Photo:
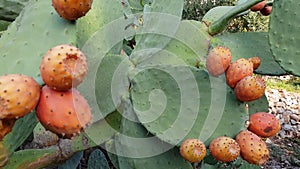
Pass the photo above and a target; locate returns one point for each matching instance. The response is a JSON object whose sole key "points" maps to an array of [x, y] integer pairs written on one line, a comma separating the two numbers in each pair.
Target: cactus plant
{"points": [[147, 100]]}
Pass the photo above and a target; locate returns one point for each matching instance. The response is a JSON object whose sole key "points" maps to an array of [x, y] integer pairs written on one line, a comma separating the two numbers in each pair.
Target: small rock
{"points": [[295, 117], [287, 127], [279, 104], [280, 111], [286, 116], [293, 122]]}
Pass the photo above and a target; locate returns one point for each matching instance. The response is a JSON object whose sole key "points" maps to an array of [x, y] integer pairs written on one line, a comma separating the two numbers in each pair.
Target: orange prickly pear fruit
{"points": [[224, 149], [250, 88], [72, 9], [19, 95], [218, 60], [193, 150], [64, 113], [264, 124], [255, 61], [259, 6], [63, 67], [238, 70], [253, 149]]}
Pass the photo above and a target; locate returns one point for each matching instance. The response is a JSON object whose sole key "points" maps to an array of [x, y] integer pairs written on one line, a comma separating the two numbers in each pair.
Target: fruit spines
{"points": [[264, 124], [63, 67], [253, 149], [19, 95], [238, 70], [224, 149], [64, 113], [218, 60], [193, 150]]}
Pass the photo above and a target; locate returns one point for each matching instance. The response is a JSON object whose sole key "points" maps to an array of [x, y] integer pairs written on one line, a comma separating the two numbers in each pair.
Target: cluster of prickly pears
{"points": [[262, 7], [62, 109], [19, 95], [238, 73], [72, 9], [248, 143]]}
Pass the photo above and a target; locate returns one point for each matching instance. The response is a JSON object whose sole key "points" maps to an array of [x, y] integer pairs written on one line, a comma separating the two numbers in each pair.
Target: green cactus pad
{"points": [[176, 102], [104, 129], [73, 162], [31, 35], [191, 50], [3, 25], [260, 105], [99, 15], [20, 132], [215, 13], [250, 44], [35, 158], [97, 160], [155, 28], [105, 83], [10, 9], [221, 23], [284, 34], [143, 150]]}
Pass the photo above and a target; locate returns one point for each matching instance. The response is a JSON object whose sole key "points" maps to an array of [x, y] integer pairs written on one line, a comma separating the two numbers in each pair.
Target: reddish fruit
{"points": [[259, 6], [63, 67], [253, 149], [266, 11], [218, 60], [238, 70], [250, 88], [19, 95], [264, 124], [255, 61], [193, 150], [72, 9], [224, 149], [64, 113], [6, 126]]}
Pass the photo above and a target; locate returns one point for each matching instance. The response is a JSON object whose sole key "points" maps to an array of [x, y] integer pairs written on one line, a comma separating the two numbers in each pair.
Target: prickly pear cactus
{"points": [[147, 84], [283, 35]]}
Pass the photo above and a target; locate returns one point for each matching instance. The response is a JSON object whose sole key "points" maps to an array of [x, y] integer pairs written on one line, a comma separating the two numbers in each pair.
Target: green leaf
{"points": [[97, 160], [73, 162], [20, 132], [32, 158]]}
